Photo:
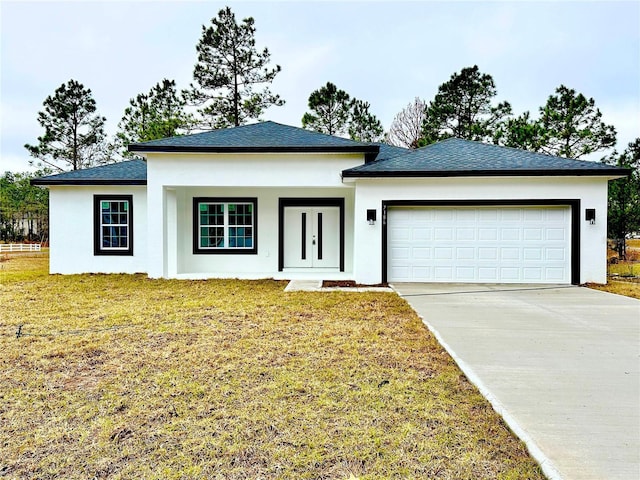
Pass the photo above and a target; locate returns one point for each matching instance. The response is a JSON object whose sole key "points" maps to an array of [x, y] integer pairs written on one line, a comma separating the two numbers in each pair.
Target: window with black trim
{"points": [[113, 225], [225, 225]]}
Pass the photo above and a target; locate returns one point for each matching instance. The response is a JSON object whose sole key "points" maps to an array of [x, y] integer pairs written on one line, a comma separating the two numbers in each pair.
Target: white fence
{"points": [[19, 247]]}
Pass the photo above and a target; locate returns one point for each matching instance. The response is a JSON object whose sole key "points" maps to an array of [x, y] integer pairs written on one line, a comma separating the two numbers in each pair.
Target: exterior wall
{"points": [[173, 181], [370, 193], [71, 231]]}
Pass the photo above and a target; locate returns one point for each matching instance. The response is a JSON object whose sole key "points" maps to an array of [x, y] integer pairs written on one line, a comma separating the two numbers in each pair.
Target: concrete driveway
{"points": [[560, 363]]}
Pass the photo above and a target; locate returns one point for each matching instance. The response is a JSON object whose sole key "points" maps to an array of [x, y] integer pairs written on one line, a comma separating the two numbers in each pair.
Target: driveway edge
{"points": [[547, 466]]}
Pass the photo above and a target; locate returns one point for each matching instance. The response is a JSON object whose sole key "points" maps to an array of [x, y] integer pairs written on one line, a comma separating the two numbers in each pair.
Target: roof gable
{"points": [[258, 137], [458, 157]]}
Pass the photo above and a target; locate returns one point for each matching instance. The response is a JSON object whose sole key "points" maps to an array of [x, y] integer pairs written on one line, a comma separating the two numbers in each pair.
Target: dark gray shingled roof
{"points": [[389, 151], [457, 157], [448, 158], [257, 137], [131, 172]]}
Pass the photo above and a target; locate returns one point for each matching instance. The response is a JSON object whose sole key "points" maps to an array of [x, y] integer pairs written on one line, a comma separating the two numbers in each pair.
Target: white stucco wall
{"points": [[370, 193], [174, 180], [71, 231]]}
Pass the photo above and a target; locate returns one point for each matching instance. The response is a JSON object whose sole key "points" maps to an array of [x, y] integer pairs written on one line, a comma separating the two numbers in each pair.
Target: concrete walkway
{"points": [[561, 364]]}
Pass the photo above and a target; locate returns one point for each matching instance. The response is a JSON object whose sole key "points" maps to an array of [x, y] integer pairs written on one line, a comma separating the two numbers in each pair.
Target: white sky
{"points": [[386, 53]]}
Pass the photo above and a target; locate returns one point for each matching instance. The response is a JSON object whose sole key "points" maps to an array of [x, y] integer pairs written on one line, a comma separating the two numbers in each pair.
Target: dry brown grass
{"points": [[620, 287], [119, 376]]}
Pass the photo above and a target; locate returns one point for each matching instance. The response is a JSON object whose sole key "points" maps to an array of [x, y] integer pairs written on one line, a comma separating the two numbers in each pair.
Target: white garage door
{"points": [[479, 244]]}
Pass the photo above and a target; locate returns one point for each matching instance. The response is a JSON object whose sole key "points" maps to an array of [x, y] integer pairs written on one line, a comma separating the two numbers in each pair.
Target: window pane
{"points": [[219, 230], [114, 219], [112, 226]]}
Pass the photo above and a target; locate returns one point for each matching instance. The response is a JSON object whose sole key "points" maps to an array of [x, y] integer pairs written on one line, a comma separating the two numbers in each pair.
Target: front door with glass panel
{"points": [[312, 237]]}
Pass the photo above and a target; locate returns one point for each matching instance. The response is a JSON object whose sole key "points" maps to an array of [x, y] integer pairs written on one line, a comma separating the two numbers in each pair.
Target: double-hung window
{"points": [[113, 224], [225, 225]]}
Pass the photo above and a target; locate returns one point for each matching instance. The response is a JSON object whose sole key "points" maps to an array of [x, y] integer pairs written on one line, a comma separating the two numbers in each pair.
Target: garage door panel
{"points": [[479, 244], [555, 234], [509, 274], [510, 234], [488, 215], [487, 234], [465, 253], [465, 273], [532, 274], [422, 272], [422, 234], [466, 233], [532, 254], [555, 274], [487, 274], [534, 234], [510, 215], [397, 234], [443, 215], [443, 274], [421, 253], [533, 215], [509, 253], [556, 215], [487, 253]]}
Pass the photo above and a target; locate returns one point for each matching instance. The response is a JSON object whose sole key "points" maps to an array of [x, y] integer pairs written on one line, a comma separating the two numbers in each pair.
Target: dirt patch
{"points": [[349, 284]]}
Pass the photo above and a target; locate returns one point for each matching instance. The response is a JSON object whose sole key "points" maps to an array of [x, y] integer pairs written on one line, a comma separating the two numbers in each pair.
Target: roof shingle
{"points": [[257, 137], [131, 172], [458, 157]]}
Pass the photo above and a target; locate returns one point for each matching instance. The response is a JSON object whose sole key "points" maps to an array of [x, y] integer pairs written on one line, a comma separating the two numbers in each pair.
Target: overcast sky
{"points": [[386, 53]]}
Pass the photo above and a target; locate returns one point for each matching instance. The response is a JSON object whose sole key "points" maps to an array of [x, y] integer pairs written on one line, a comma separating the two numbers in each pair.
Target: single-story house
{"points": [[273, 201]]}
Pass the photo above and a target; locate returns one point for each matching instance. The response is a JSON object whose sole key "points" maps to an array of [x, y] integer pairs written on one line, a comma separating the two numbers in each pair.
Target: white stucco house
{"points": [[274, 201]]}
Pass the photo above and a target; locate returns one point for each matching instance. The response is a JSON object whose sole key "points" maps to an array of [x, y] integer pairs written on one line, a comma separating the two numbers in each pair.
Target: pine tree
{"points": [[364, 126], [228, 70], [157, 114], [463, 108], [572, 125], [74, 133], [330, 110]]}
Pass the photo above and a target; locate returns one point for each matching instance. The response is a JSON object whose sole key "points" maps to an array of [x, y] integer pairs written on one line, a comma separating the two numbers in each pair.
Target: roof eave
{"points": [[617, 173], [366, 149], [45, 182]]}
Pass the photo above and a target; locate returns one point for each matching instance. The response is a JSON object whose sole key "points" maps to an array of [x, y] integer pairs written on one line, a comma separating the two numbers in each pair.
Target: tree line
{"points": [[230, 87], [24, 208]]}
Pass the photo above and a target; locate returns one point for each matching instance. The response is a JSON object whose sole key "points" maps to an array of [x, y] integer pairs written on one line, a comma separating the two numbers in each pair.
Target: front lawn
{"points": [[119, 376], [620, 287]]}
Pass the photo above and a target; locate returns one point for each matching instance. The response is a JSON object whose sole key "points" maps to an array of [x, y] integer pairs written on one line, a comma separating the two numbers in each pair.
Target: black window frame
{"points": [[98, 249], [198, 250]]}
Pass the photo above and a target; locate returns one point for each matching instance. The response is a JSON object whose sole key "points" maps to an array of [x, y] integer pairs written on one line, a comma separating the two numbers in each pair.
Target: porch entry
{"points": [[311, 233], [312, 237]]}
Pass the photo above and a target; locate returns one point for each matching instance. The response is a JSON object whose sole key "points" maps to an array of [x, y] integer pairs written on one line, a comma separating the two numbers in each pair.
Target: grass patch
{"points": [[624, 269], [119, 376], [626, 288]]}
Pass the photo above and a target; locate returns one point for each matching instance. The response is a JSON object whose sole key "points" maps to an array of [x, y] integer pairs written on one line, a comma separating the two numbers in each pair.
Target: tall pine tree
{"points": [[231, 75], [572, 125], [330, 110], [463, 108], [157, 114], [364, 126], [73, 131]]}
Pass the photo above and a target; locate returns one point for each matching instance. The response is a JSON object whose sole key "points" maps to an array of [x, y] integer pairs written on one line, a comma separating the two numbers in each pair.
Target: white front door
{"points": [[311, 237]]}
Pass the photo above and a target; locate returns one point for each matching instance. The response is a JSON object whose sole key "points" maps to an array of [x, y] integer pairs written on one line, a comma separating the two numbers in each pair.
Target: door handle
{"points": [[313, 241]]}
